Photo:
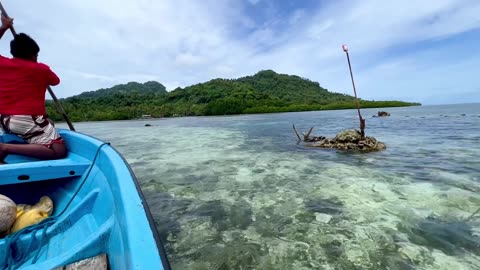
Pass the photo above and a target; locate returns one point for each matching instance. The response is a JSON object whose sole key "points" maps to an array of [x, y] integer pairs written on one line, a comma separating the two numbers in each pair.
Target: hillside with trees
{"points": [[264, 92]]}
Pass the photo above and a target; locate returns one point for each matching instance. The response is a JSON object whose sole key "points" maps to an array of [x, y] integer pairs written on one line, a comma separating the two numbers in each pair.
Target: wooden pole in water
{"points": [[58, 106], [362, 121], [296, 132]]}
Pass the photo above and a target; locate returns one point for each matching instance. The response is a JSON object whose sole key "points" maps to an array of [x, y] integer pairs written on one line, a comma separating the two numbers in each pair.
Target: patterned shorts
{"points": [[34, 129]]}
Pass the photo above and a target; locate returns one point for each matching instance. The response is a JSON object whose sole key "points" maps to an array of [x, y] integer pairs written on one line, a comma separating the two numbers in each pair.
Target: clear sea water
{"points": [[238, 192]]}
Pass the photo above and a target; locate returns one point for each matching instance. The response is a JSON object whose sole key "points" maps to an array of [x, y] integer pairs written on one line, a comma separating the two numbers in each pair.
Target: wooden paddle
{"points": [[55, 100], [362, 121]]}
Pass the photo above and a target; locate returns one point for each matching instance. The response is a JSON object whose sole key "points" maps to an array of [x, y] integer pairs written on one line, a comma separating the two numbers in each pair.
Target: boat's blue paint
{"points": [[40, 170], [108, 215]]}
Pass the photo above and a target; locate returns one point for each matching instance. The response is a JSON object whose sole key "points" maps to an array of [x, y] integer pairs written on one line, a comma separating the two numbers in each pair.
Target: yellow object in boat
{"points": [[28, 215]]}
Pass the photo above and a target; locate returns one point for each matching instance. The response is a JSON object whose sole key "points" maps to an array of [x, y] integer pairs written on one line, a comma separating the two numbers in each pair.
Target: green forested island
{"points": [[264, 92]]}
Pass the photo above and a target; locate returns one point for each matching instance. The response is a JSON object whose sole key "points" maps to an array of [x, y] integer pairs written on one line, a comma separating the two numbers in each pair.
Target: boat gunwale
{"points": [[151, 221], [158, 242]]}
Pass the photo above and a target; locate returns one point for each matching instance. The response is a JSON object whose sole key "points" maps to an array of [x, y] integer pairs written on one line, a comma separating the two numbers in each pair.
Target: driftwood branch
{"points": [[296, 132], [307, 136]]}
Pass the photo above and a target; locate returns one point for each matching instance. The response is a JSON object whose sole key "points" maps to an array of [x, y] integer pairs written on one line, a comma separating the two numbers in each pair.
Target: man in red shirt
{"points": [[23, 83]]}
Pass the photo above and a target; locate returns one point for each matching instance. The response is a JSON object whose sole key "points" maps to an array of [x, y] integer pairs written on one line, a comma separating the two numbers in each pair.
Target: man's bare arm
{"points": [[6, 24]]}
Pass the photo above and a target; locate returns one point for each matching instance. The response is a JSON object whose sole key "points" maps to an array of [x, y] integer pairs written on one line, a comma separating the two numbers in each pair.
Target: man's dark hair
{"points": [[24, 47]]}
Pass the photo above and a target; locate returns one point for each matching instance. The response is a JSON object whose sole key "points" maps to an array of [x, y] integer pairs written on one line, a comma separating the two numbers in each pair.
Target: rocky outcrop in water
{"points": [[382, 114], [346, 140], [351, 140]]}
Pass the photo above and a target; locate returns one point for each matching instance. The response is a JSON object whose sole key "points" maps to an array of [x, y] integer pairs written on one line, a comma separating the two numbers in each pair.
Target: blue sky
{"points": [[424, 51]]}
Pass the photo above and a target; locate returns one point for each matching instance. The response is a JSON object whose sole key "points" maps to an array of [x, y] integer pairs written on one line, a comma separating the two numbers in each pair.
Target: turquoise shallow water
{"points": [[238, 192]]}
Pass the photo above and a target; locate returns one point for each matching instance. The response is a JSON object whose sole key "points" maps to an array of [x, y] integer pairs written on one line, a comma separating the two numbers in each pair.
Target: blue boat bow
{"points": [[99, 209]]}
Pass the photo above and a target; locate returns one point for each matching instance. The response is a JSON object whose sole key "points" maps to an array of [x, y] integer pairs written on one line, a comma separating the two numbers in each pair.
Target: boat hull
{"points": [[99, 208]]}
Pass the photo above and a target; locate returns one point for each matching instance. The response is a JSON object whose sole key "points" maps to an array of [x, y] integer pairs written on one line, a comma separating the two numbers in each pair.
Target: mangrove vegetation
{"points": [[264, 92]]}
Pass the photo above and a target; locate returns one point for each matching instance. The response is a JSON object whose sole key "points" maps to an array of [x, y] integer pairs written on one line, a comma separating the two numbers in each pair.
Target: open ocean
{"points": [[238, 192]]}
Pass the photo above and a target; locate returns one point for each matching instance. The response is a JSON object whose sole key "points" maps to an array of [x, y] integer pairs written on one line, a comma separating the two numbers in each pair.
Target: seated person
{"points": [[23, 83]]}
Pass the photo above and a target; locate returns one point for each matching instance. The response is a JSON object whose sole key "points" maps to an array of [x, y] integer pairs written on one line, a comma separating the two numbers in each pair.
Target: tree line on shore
{"points": [[264, 92]]}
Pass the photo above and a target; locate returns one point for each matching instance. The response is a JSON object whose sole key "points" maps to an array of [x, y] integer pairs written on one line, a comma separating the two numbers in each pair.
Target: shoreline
{"points": [[241, 114]]}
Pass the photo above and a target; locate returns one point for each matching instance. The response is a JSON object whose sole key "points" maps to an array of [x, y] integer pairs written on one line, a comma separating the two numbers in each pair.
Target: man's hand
{"points": [[6, 22]]}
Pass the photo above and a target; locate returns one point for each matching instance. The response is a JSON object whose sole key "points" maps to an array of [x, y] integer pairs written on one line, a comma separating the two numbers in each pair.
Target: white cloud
{"points": [[262, 36], [89, 76], [187, 59], [297, 16], [182, 42], [224, 71]]}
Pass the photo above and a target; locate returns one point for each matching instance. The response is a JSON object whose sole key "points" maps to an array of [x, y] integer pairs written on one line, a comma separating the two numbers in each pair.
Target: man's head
{"points": [[24, 47]]}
